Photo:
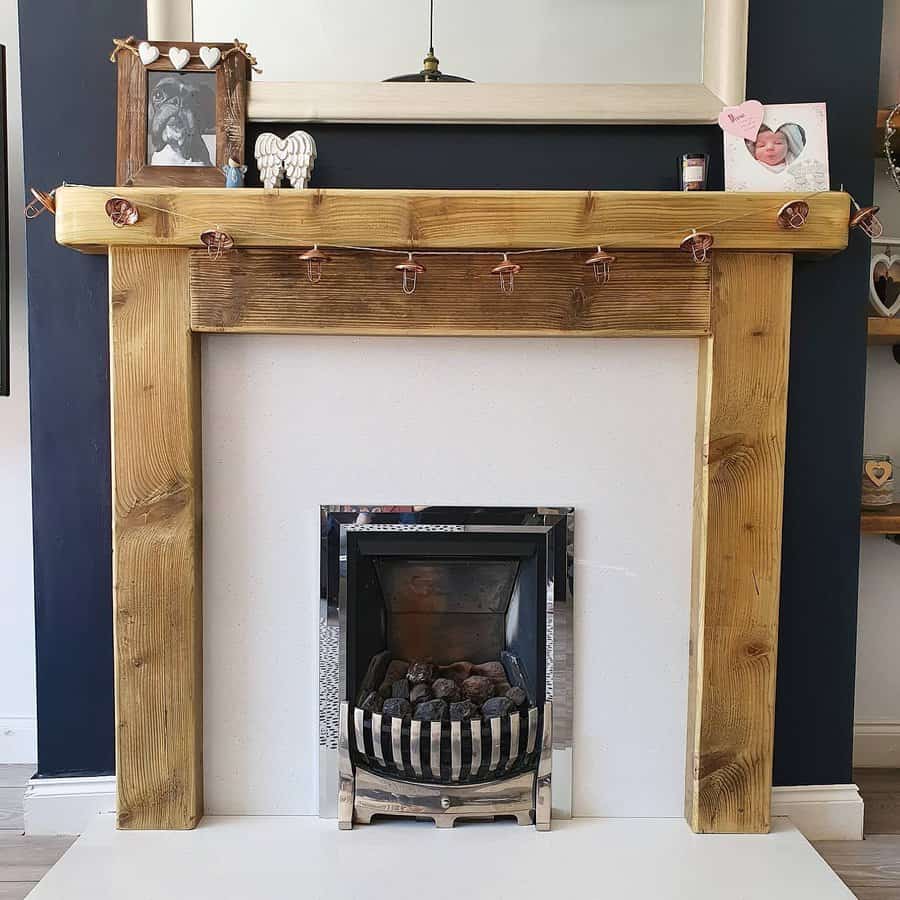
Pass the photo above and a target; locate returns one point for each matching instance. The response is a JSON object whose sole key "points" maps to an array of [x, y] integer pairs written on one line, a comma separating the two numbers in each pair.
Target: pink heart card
{"points": [[744, 121]]}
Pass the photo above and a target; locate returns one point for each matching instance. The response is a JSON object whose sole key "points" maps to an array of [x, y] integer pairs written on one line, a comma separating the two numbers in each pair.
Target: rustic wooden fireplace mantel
{"points": [[163, 290]]}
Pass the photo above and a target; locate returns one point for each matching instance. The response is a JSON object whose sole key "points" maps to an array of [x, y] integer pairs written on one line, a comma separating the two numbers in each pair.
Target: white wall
{"points": [[17, 699], [642, 41], [290, 423]]}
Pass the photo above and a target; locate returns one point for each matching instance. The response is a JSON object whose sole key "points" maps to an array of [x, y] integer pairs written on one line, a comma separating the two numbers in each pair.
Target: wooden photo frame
{"points": [[217, 106]]}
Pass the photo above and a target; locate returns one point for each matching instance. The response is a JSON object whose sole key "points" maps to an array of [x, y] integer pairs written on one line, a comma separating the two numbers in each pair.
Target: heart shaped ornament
{"points": [[179, 57], [211, 56], [744, 120], [148, 53], [884, 285], [878, 472]]}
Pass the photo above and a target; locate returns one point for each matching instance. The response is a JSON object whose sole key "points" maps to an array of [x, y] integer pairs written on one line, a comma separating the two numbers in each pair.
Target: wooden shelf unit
{"points": [[881, 521], [884, 331]]}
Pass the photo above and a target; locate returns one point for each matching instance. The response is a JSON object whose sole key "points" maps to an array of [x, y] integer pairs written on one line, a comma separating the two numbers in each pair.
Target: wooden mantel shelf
{"points": [[650, 220], [881, 521], [884, 331]]}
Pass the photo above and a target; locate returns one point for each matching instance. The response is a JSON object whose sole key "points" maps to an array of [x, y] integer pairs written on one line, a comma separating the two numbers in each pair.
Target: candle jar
{"points": [[692, 171]]}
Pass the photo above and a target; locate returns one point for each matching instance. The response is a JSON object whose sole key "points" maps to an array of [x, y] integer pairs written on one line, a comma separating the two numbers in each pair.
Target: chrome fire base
{"points": [[363, 794]]}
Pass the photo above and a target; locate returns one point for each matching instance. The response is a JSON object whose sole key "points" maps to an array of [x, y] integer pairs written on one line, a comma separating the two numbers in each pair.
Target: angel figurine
{"points": [[234, 173], [293, 156]]}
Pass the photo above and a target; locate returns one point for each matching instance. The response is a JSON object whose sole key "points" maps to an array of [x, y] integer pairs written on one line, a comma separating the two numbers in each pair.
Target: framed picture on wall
{"points": [[4, 236], [181, 112], [788, 153]]}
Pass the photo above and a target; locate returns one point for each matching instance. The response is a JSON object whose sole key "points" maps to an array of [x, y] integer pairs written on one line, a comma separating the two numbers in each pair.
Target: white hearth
{"points": [[233, 858]]}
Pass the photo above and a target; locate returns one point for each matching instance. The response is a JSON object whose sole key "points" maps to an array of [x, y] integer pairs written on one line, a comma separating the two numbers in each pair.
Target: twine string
{"points": [[291, 239], [120, 45], [128, 45], [241, 47]]}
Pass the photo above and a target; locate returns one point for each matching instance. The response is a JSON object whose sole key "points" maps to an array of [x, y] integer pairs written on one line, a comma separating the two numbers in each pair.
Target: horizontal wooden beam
{"points": [[884, 331], [653, 220], [649, 294], [881, 521], [507, 104]]}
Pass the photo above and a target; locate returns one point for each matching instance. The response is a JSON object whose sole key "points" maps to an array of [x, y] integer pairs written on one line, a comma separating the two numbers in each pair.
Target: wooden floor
{"points": [[871, 868], [23, 860]]}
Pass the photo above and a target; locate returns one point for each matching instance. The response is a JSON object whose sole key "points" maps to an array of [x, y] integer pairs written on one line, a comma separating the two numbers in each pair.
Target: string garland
{"points": [[284, 238], [698, 243], [129, 46]]}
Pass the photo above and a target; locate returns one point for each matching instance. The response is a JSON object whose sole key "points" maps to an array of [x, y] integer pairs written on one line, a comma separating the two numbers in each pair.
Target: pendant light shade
{"points": [[430, 70]]}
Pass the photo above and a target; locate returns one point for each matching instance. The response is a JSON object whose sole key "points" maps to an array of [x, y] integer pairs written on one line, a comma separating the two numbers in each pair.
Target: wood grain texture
{"points": [[131, 117], [27, 858], [619, 220], [444, 103], [555, 294], [16, 890], [737, 556], [156, 541], [881, 521], [870, 868], [880, 790], [12, 814], [884, 331]]}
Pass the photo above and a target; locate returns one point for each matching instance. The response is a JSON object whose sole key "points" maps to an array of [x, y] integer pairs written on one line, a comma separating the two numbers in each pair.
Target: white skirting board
{"points": [[233, 858], [831, 812], [876, 745], [824, 812], [18, 739], [67, 805]]}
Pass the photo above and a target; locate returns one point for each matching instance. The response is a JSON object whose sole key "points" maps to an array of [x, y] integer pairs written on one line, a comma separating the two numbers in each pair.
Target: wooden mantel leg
{"points": [[156, 540], [737, 544]]}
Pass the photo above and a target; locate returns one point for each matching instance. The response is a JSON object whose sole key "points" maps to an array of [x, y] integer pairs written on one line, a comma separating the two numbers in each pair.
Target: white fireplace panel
{"points": [[290, 423]]}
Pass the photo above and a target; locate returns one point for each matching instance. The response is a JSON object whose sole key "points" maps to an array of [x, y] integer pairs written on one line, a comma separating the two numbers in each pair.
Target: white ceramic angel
{"points": [[293, 156]]}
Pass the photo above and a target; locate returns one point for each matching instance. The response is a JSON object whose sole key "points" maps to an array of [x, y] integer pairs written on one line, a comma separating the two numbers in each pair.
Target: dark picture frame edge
{"points": [[232, 73], [4, 234]]}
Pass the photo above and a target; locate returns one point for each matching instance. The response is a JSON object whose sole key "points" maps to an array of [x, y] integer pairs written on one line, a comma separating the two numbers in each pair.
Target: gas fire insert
{"points": [[445, 663]]}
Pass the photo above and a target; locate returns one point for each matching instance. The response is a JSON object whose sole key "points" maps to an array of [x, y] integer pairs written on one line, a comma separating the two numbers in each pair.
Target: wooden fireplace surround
{"points": [[164, 290]]}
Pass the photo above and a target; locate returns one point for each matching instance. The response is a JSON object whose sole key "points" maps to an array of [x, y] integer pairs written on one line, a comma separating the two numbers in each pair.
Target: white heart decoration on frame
{"points": [[211, 56], [148, 53], [887, 271], [179, 57]]}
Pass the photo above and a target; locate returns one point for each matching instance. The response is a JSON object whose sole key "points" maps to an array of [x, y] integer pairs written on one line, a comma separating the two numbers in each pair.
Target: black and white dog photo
{"points": [[181, 119]]}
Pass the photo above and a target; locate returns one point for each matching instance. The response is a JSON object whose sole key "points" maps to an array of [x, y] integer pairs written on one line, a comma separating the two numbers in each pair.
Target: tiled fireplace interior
{"points": [[445, 663]]}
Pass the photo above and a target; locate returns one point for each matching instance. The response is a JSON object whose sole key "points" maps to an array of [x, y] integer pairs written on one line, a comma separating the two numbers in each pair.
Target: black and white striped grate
{"points": [[447, 752]]}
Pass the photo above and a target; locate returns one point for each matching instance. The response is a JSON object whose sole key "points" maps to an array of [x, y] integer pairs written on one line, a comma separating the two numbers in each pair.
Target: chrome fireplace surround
{"points": [[439, 585]]}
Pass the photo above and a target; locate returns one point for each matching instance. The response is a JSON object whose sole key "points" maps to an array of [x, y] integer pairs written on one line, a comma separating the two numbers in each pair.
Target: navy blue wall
{"points": [[69, 111], [69, 355], [826, 400]]}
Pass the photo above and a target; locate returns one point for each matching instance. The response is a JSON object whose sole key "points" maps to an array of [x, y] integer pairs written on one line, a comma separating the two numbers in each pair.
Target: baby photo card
{"points": [[781, 147]]}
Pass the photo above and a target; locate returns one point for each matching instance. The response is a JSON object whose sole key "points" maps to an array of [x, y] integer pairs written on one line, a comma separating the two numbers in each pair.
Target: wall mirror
{"points": [[553, 61]]}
